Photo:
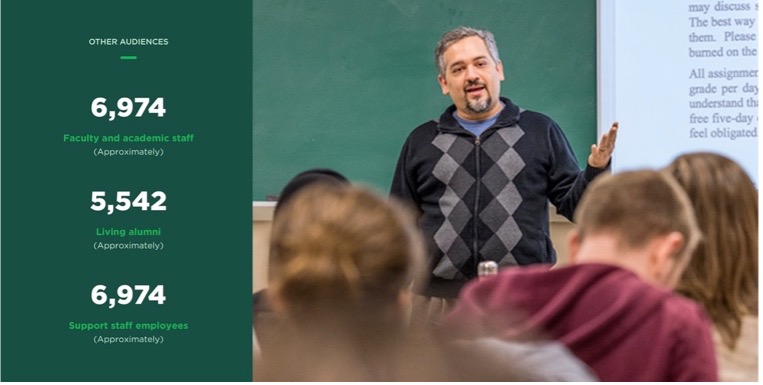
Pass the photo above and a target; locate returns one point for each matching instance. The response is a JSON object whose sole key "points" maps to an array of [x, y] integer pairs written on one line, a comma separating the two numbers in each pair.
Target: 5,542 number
{"points": [[124, 202]]}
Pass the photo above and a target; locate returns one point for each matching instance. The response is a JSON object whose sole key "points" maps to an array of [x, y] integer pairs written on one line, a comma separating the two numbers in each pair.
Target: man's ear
{"points": [[573, 245], [664, 264], [499, 68], [443, 84]]}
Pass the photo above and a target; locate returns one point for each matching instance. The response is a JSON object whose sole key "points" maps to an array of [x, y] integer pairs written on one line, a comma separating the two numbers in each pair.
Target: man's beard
{"points": [[479, 106]]}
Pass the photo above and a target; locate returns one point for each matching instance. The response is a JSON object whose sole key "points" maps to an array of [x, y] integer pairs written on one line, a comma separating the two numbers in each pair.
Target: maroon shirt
{"points": [[620, 326]]}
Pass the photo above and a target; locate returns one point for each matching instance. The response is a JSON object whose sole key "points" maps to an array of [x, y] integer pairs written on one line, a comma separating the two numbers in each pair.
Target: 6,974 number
{"points": [[124, 202], [126, 294], [126, 107]]}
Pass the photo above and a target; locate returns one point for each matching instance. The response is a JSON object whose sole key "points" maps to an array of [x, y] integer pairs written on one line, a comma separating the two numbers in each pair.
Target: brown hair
{"points": [[723, 275], [340, 259], [342, 248], [638, 206]]}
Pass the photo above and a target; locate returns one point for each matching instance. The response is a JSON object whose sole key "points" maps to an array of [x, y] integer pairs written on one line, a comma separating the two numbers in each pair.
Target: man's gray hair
{"points": [[455, 35]]}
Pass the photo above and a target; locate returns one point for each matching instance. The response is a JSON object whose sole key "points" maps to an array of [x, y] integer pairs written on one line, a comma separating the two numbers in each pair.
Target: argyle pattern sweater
{"points": [[486, 197]]}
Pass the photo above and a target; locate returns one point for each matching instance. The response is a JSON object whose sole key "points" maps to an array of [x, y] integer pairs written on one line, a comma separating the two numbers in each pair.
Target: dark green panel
{"points": [[341, 83], [50, 263]]}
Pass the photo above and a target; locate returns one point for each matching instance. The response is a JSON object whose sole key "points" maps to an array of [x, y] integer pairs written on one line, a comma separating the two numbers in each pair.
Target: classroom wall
{"points": [[262, 216]]}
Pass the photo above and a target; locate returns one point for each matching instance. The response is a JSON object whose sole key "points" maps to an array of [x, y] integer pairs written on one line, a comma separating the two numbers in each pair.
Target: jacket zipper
{"points": [[475, 243]]}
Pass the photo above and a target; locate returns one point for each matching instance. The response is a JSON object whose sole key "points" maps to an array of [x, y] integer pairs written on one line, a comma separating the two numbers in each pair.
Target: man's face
{"points": [[472, 78]]}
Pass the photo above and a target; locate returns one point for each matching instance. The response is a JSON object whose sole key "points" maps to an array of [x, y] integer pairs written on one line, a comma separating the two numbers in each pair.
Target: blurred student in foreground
{"points": [[723, 274], [613, 306], [262, 315], [341, 263]]}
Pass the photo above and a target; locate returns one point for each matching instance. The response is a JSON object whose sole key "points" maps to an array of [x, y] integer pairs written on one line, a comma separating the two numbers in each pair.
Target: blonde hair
{"points": [[638, 206], [342, 249], [723, 275]]}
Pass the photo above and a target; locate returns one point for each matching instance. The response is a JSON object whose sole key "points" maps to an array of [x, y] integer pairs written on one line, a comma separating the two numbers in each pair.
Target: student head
{"points": [[337, 249], [723, 275], [317, 176], [470, 71], [341, 261], [307, 178], [647, 220]]}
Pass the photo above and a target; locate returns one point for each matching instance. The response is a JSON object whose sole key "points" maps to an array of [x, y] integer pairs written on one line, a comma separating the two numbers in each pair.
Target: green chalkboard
{"points": [[341, 83]]}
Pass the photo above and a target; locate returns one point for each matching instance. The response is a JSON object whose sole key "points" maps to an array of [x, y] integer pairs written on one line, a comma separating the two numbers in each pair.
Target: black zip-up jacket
{"points": [[486, 197]]}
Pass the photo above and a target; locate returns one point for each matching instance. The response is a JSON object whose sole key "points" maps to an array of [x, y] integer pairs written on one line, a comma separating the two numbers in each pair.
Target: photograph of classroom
{"points": [[505, 190]]}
